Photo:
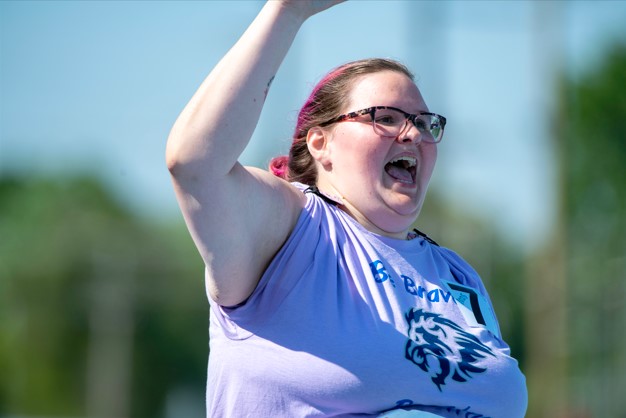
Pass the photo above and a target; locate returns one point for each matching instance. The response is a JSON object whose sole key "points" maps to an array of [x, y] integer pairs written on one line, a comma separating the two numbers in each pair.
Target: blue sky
{"points": [[96, 85]]}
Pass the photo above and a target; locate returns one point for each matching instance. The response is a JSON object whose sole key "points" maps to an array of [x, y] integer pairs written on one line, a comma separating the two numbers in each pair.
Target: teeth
{"points": [[412, 162]]}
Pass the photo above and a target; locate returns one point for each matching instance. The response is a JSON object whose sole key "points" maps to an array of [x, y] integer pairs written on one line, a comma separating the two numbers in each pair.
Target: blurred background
{"points": [[102, 304]]}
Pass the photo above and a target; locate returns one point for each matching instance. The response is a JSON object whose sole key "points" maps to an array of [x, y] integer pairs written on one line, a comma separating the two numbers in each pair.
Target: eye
{"points": [[389, 117], [385, 120], [422, 125]]}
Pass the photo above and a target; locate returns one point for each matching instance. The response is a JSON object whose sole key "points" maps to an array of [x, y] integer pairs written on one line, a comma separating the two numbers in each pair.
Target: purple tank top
{"points": [[347, 323]]}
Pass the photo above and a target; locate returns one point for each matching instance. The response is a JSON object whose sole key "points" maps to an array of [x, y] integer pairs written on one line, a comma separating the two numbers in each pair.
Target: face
{"points": [[357, 164]]}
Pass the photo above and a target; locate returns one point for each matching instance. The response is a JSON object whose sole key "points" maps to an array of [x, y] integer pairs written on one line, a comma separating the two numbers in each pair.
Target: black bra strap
{"points": [[316, 191], [424, 236]]}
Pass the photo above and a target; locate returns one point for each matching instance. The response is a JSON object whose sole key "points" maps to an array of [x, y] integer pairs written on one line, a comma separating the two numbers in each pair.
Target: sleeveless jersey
{"points": [[348, 323]]}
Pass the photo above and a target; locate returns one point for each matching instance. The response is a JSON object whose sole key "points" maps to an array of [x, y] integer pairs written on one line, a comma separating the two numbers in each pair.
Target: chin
{"points": [[398, 222], [406, 206]]}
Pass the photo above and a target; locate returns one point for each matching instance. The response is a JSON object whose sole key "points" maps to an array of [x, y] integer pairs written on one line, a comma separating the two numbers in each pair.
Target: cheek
{"points": [[360, 172], [429, 158], [371, 160], [360, 154]]}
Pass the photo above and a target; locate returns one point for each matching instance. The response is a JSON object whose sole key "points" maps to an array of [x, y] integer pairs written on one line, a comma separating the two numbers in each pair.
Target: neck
{"points": [[367, 224], [344, 204]]}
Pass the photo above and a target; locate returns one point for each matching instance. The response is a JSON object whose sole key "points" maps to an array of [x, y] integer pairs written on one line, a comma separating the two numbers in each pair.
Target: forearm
{"points": [[216, 125]]}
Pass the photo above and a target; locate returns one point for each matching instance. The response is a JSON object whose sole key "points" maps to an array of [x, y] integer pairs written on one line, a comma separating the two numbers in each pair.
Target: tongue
{"points": [[399, 173]]}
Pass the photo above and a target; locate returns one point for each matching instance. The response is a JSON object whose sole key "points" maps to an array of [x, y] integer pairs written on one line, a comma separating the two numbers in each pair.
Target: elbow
{"points": [[172, 160], [176, 156], [188, 155], [185, 161], [172, 157]]}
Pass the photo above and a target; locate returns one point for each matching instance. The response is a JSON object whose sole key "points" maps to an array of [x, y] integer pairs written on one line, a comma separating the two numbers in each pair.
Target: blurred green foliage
{"points": [[591, 137], [65, 244]]}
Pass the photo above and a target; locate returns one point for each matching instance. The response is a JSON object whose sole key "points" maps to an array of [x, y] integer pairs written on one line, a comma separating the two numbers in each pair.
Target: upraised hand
{"points": [[307, 8]]}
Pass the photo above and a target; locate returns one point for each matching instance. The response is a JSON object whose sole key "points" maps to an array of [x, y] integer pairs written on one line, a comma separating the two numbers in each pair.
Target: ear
{"points": [[318, 141]]}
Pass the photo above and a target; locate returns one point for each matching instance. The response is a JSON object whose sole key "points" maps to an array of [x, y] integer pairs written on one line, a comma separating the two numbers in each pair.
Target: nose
{"points": [[410, 133]]}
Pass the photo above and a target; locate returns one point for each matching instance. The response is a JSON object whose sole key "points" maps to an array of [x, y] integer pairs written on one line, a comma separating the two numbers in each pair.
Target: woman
{"points": [[323, 301]]}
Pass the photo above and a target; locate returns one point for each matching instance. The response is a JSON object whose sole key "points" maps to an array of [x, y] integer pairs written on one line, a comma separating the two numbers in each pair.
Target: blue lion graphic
{"points": [[443, 349]]}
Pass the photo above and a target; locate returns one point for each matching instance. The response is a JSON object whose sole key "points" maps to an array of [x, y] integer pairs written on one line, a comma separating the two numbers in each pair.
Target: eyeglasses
{"points": [[391, 122]]}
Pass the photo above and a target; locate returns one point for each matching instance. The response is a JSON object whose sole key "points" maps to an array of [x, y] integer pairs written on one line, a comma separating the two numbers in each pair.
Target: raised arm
{"points": [[238, 216]]}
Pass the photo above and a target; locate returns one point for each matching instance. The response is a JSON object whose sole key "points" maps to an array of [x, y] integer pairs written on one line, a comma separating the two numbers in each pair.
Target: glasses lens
{"points": [[388, 122], [430, 127]]}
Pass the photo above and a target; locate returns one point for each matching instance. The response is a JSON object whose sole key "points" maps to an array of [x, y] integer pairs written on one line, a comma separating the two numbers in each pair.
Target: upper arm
{"points": [[238, 223]]}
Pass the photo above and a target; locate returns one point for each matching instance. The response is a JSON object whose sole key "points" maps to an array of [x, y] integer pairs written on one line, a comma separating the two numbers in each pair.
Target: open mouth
{"points": [[402, 169]]}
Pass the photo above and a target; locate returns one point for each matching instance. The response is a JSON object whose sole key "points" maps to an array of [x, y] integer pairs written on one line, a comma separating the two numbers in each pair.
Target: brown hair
{"points": [[327, 100]]}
